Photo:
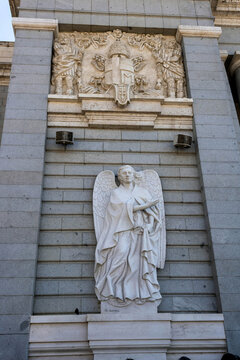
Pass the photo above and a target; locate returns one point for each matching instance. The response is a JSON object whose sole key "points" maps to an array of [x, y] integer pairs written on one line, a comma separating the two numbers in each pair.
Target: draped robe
{"points": [[127, 253]]}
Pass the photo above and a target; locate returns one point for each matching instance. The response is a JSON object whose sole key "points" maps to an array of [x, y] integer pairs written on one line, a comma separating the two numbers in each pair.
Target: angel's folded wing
{"points": [[104, 184], [152, 183]]}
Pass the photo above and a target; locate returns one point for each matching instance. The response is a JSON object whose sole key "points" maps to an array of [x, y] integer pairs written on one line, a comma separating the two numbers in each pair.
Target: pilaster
{"points": [[219, 163], [22, 163]]}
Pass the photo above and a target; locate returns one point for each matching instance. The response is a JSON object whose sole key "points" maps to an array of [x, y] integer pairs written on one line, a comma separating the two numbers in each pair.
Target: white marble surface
{"points": [[130, 229]]}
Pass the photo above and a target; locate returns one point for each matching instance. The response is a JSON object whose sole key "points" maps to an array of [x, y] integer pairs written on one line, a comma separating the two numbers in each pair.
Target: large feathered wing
{"points": [[151, 181], [104, 184]]}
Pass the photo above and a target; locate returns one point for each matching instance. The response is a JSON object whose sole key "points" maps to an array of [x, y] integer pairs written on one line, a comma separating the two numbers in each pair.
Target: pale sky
{"points": [[6, 31]]}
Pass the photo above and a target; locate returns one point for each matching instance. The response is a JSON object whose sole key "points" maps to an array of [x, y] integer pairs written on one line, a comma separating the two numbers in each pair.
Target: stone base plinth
{"points": [[149, 307], [114, 336], [126, 336]]}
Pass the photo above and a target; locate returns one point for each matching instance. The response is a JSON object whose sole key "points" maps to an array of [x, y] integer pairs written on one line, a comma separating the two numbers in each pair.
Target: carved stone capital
{"points": [[235, 63], [198, 31], [35, 24]]}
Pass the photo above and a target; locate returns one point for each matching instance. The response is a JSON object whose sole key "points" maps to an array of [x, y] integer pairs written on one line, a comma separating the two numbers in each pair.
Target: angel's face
{"points": [[126, 175]]}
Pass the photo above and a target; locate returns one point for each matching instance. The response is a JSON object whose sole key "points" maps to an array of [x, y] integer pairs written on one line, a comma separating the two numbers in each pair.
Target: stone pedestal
{"points": [[126, 336]]}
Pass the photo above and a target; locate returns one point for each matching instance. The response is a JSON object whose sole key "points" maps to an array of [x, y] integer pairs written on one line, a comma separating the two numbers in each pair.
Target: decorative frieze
{"points": [[226, 21], [228, 5], [230, 1], [118, 64]]}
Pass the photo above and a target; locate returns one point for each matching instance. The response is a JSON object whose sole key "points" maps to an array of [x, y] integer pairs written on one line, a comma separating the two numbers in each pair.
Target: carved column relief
{"points": [[118, 64]]}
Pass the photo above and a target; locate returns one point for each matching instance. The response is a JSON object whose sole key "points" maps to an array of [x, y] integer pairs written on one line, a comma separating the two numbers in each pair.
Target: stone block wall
{"points": [[67, 242], [21, 172], [136, 15], [218, 156], [229, 39]]}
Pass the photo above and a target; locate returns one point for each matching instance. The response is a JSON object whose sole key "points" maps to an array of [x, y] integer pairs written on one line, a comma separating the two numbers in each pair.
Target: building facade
{"points": [[183, 72]]}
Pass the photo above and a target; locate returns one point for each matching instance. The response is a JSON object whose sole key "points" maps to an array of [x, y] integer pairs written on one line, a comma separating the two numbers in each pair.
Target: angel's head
{"points": [[127, 174]]}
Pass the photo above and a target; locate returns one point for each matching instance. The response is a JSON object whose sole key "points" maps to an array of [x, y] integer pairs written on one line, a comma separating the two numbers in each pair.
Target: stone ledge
{"points": [[101, 111], [231, 21], [109, 336], [35, 24], [198, 31], [234, 6]]}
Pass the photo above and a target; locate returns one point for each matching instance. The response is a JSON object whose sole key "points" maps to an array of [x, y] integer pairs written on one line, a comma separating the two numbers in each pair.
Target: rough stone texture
{"points": [[21, 164], [224, 183], [67, 241]]}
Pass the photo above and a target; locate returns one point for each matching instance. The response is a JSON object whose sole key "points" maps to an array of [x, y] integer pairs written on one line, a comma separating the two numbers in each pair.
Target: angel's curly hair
{"points": [[138, 175]]}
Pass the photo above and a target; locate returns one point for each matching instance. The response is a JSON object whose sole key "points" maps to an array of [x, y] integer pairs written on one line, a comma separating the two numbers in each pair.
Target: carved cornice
{"points": [[228, 5], [198, 31], [78, 111], [232, 21], [235, 63], [35, 24]]}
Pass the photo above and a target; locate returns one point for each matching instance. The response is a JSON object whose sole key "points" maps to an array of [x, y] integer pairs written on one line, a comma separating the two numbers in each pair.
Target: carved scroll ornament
{"points": [[118, 64]]}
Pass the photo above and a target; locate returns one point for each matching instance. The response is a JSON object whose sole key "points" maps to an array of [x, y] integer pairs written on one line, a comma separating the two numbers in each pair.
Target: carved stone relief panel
{"points": [[118, 64]]}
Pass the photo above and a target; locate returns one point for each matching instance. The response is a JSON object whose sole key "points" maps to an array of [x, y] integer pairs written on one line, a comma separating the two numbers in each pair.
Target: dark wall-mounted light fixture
{"points": [[64, 137], [182, 141]]}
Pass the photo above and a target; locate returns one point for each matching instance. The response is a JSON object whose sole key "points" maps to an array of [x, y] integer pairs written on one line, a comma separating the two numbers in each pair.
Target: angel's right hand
{"points": [[152, 203], [145, 206]]}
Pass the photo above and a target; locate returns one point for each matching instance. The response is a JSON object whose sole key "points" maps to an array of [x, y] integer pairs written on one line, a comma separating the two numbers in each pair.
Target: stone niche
{"points": [[118, 79]]}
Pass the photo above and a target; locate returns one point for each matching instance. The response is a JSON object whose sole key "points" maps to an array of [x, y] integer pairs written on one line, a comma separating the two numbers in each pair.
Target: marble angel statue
{"points": [[129, 224]]}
